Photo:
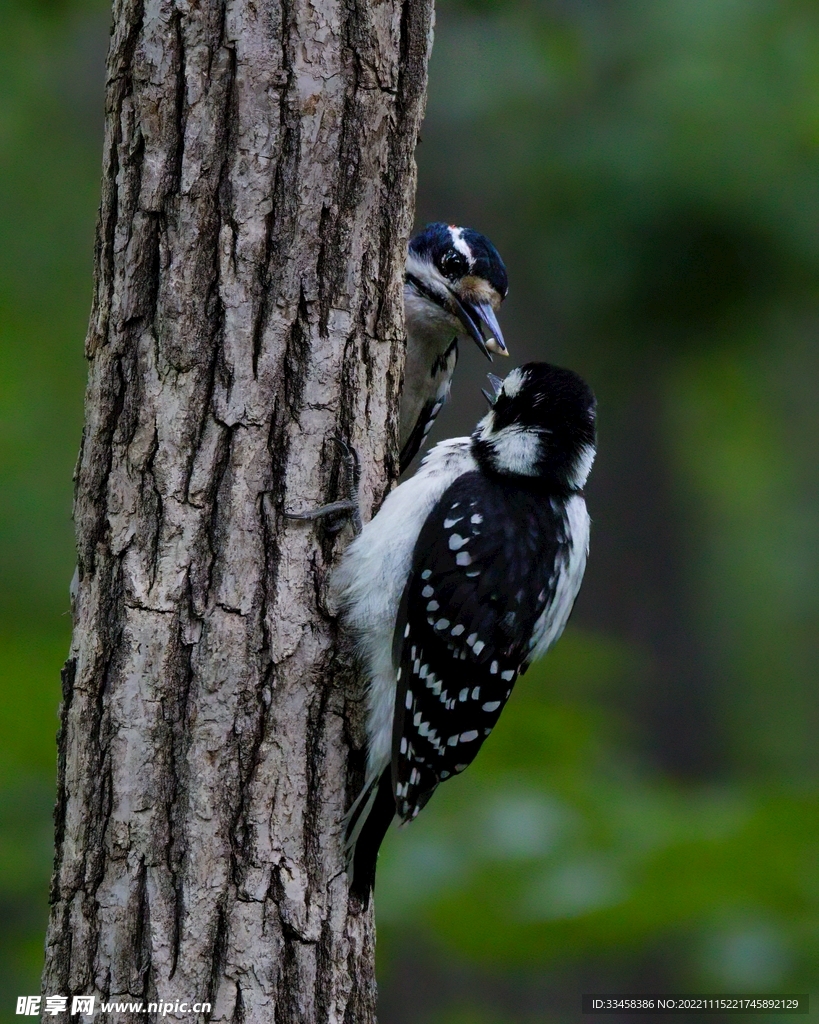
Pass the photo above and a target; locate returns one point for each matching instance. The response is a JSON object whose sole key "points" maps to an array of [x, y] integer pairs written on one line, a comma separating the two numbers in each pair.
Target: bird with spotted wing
{"points": [[467, 574]]}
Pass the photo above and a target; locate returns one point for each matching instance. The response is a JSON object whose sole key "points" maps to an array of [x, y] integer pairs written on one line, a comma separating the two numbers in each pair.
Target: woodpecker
{"points": [[454, 282], [466, 575]]}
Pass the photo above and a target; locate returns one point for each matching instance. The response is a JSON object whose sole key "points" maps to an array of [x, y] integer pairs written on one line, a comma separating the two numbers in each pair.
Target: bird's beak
{"points": [[497, 384], [466, 313], [494, 342], [476, 317]]}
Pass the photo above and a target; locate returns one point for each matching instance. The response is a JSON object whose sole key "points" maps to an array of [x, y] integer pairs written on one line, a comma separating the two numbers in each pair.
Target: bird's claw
{"points": [[345, 510]]}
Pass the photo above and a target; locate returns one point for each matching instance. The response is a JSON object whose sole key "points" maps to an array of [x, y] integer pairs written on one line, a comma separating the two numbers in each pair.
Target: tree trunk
{"points": [[258, 185]]}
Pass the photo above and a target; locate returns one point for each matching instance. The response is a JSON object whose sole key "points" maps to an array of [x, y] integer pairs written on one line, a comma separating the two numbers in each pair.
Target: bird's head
{"points": [[461, 272], [541, 424]]}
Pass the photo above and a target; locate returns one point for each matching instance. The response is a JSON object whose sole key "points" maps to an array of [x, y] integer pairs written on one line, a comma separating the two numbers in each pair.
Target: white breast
{"points": [[370, 580]]}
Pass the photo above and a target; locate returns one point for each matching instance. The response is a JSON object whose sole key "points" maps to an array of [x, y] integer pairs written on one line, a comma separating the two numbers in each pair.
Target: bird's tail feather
{"points": [[356, 816], [366, 825]]}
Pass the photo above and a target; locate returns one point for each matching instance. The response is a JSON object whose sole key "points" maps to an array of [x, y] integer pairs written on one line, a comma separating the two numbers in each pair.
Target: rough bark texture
{"points": [[257, 193]]}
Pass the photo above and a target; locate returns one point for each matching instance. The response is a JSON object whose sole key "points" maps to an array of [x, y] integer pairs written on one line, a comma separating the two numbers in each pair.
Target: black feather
{"points": [[419, 432], [370, 838]]}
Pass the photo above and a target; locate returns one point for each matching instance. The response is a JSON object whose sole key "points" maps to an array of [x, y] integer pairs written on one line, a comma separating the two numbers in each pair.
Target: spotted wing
{"points": [[484, 571]]}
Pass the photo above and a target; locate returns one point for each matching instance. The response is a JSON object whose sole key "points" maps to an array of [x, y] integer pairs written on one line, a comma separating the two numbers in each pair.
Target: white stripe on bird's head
{"points": [[514, 382], [460, 244]]}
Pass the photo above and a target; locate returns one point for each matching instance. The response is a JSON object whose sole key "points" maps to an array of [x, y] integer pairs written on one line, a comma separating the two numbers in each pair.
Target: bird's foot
{"points": [[338, 513]]}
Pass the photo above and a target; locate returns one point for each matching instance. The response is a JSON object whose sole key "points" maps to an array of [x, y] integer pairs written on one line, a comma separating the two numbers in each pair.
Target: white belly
{"points": [[370, 580]]}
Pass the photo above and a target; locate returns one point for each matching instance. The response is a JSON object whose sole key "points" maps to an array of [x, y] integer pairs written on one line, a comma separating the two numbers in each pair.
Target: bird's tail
{"points": [[366, 825]]}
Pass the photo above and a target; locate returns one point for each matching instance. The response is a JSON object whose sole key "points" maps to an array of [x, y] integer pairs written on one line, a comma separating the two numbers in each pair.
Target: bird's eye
{"points": [[453, 264]]}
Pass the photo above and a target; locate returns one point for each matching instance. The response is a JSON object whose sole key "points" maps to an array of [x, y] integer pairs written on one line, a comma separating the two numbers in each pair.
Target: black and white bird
{"points": [[455, 281], [466, 575]]}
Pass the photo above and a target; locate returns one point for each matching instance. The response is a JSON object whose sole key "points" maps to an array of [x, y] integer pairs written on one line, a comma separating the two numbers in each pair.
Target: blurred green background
{"points": [[646, 818]]}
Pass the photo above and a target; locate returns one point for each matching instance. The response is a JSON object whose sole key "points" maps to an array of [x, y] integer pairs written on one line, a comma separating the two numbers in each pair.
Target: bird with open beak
{"points": [[455, 281]]}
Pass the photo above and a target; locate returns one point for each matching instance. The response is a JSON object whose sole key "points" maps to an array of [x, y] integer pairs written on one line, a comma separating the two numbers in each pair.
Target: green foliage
{"points": [[649, 171], [49, 192], [51, 67], [553, 847], [29, 697]]}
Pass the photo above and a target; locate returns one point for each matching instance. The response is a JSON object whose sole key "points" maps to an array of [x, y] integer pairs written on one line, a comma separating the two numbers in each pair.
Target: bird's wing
{"points": [[438, 382], [485, 569], [423, 425]]}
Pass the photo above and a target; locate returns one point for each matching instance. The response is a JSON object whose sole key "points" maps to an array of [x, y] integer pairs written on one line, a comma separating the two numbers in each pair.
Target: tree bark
{"points": [[258, 185]]}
